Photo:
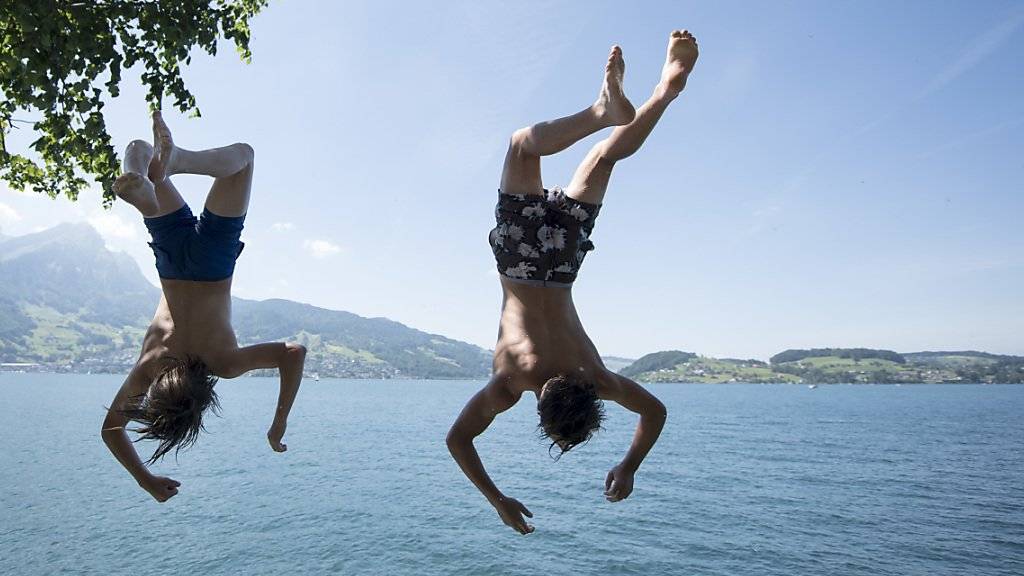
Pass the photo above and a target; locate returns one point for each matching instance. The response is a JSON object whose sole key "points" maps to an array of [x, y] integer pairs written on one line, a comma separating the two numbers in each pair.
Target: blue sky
{"points": [[836, 174]]}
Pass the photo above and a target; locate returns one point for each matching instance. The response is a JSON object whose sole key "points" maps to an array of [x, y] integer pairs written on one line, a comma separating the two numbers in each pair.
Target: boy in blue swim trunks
{"points": [[190, 342], [539, 243]]}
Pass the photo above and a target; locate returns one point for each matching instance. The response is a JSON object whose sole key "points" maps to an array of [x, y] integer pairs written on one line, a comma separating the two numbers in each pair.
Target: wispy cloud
{"points": [[975, 52], [112, 227], [321, 248], [282, 226], [972, 138], [981, 47], [8, 214]]}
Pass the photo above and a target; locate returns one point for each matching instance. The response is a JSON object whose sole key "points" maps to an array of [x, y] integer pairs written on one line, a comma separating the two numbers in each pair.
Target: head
{"points": [[172, 410], [570, 411]]}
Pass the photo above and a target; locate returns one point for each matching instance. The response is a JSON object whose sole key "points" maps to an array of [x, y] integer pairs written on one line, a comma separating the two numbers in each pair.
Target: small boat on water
{"points": [[812, 386]]}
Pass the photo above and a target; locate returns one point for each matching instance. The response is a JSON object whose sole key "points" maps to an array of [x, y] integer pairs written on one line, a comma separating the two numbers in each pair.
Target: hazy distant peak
{"points": [[68, 303]]}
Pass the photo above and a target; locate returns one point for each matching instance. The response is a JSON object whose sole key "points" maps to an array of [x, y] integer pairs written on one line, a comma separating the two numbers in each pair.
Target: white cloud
{"points": [[112, 227], [8, 214], [321, 248], [282, 226]]}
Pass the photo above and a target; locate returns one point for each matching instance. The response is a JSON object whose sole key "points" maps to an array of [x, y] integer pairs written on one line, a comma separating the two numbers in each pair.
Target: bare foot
{"points": [[132, 186], [166, 151], [612, 105], [682, 55], [137, 190]]}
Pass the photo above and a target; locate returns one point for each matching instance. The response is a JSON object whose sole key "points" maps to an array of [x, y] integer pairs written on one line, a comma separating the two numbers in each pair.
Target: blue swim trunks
{"points": [[201, 249]]}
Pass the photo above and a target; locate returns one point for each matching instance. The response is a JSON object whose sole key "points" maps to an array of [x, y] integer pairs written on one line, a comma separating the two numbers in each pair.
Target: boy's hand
{"points": [[511, 512], [618, 484], [275, 434], [160, 488]]}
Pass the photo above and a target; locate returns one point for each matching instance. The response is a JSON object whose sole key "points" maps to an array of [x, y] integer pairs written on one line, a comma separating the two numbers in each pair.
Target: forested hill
{"points": [[69, 304], [832, 365], [848, 353]]}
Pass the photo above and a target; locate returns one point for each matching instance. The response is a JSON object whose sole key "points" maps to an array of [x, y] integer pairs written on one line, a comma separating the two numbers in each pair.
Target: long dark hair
{"points": [[172, 411], [570, 412]]}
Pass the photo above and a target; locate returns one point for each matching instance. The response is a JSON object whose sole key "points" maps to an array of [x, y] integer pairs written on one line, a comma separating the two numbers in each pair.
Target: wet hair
{"points": [[172, 410], [570, 412]]}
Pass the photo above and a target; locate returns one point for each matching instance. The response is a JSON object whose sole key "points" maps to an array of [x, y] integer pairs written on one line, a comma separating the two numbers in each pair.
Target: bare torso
{"points": [[540, 336], [192, 319]]}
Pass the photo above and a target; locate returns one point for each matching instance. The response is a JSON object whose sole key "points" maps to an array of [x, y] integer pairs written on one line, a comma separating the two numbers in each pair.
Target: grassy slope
{"points": [[935, 369], [715, 371]]}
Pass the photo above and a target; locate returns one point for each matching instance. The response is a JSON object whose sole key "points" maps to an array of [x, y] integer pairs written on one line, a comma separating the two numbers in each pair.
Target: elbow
{"points": [[450, 440], [108, 435], [455, 442], [660, 413]]}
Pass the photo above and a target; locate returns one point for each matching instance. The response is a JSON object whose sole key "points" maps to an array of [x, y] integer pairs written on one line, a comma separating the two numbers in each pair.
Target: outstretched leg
{"points": [[521, 173], [230, 166], [590, 182]]}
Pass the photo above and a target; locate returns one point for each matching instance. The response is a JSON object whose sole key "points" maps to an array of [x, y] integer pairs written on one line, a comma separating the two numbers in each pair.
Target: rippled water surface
{"points": [[745, 480]]}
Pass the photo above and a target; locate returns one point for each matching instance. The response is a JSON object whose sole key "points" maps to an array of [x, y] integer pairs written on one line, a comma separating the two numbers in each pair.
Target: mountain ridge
{"points": [[69, 304]]}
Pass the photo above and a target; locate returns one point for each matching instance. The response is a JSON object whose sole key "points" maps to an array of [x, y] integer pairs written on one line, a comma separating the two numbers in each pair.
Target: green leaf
{"points": [[53, 57]]}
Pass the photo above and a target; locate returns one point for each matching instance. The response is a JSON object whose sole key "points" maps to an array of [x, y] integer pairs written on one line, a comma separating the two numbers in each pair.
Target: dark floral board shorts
{"points": [[542, 240], [201, 249]]}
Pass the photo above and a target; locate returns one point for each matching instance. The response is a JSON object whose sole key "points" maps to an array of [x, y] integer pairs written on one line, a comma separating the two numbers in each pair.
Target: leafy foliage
{"points": [[60, 58]]}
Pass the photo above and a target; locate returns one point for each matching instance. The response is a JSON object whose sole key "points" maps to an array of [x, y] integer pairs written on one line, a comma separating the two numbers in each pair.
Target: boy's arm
{"points": [[476, 416], [289, 359], [633, 397], [120, 445]]}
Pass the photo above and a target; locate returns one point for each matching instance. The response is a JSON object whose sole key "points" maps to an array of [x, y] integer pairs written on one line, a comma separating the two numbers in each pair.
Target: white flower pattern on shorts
{"points": [[522, 271], [551, 238], [542, 240]]}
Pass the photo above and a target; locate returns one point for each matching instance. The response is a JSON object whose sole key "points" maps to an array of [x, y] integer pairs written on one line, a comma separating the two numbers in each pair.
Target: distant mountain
{"points": [[667, 360], [616, 363], [67, 303], [832, 365]]}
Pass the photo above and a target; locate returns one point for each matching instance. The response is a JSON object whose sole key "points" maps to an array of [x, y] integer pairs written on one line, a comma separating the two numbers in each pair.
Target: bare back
{"points": [[192, 319], [540, 336]]}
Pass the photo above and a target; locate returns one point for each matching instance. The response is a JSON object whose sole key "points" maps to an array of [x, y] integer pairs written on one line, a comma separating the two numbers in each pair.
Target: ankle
{"points": [[663, 92], [599, 114]]}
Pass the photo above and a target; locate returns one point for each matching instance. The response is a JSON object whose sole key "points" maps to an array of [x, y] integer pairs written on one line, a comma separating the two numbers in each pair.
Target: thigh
{"points": [[590, 181], [521, 173], [229, 196], [167, 198]]}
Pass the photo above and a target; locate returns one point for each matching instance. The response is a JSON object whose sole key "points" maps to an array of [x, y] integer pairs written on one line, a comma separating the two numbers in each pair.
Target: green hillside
{"points": [[677, 366], [68, 304], [832, 366]]}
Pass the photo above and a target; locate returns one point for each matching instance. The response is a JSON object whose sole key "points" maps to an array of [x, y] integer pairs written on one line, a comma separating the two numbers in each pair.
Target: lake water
{"points": [[746, 479]]}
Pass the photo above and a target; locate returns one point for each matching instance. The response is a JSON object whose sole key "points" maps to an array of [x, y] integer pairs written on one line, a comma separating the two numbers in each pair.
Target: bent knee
{"points": [[246, 150], [135, 144], [606, 157], [520, 141]]}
